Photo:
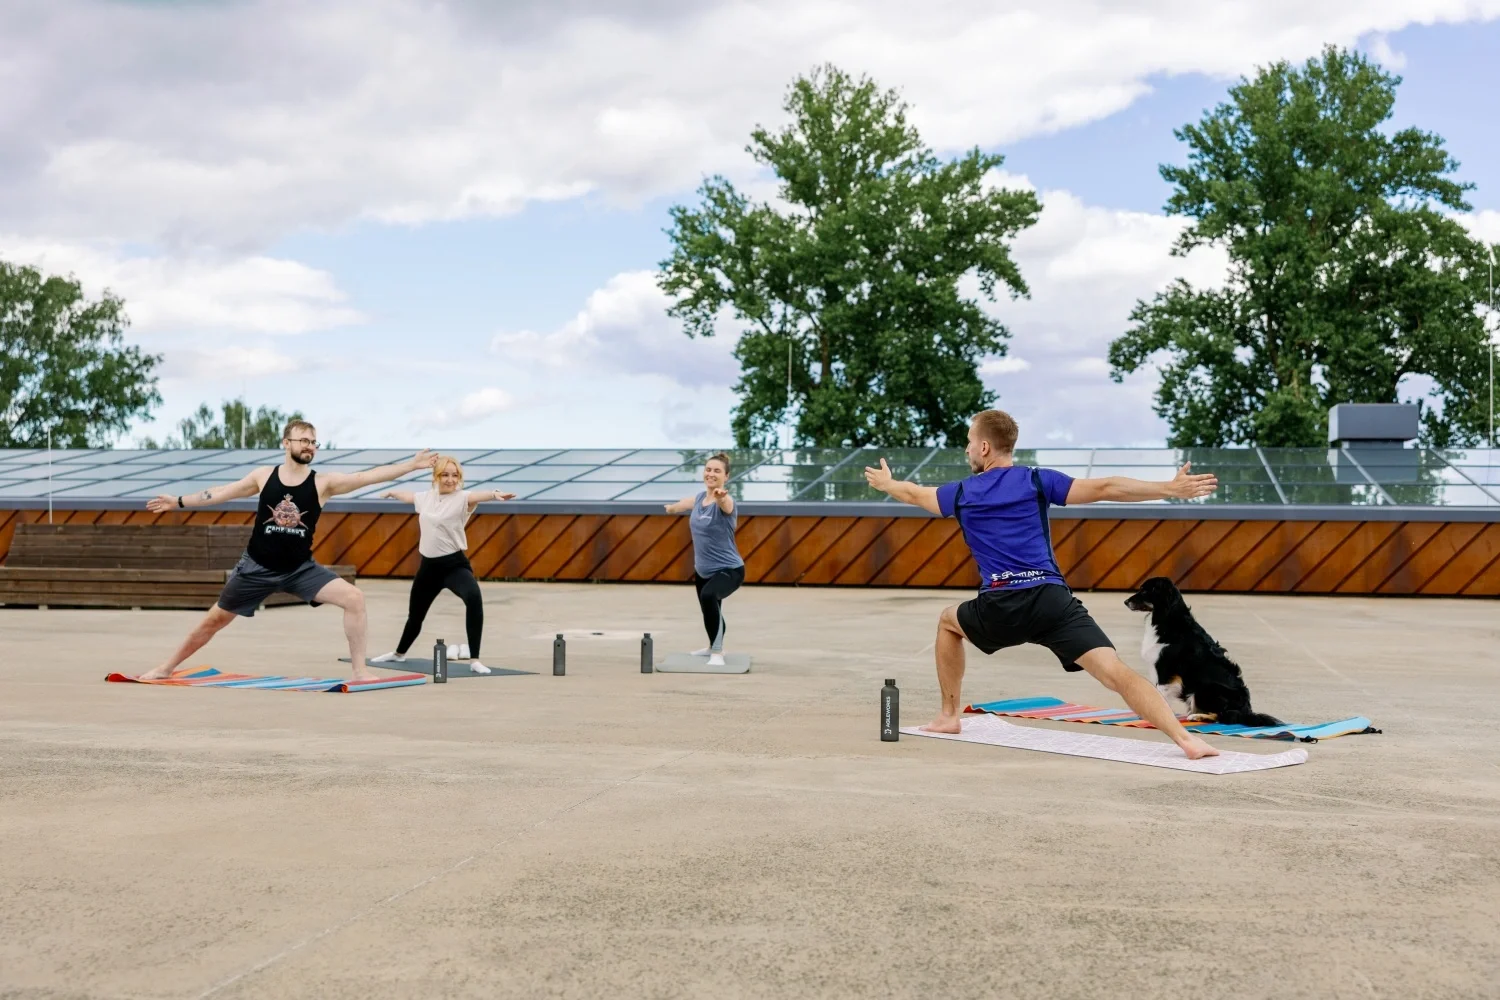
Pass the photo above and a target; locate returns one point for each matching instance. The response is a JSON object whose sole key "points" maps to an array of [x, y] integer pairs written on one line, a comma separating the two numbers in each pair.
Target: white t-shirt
{"points": [[441, 518]]}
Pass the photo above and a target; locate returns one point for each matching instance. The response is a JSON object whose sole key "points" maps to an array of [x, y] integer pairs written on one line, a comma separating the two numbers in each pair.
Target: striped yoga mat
{"points": [[1057, 710], [210, 677]]}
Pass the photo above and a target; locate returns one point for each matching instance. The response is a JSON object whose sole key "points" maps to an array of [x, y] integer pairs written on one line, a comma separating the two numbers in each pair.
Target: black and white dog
{"points": [[1189, 664]]}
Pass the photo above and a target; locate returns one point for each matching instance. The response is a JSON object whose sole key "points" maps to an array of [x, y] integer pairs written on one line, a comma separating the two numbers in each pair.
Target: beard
{"points": [[302, 458], [976, 467]]}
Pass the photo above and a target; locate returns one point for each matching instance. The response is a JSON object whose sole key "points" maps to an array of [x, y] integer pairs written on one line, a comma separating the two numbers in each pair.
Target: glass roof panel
{"points": [[542, 473], [1447, 495], [659, 491], [1331, 493], [582, 491], [1308, 475], [516, 456], [577, 457], [664, 456], [623, 473]]}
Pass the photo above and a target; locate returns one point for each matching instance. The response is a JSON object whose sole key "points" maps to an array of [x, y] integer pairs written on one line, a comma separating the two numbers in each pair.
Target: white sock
{"points": [[387, 658], [475, 667], [716, 660], [452, 651], [463, 651]]}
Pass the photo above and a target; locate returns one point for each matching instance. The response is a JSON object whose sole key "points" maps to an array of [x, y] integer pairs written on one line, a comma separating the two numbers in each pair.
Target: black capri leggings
{"points": [[711, 593], [450, 572]]}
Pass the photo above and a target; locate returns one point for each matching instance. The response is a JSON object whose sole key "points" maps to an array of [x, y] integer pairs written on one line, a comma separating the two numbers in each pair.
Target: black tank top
{"points": [[284, 523]]}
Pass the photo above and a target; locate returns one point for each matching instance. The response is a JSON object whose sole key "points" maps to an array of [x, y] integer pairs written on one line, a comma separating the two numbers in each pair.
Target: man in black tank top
{"points": [[279, 556]]}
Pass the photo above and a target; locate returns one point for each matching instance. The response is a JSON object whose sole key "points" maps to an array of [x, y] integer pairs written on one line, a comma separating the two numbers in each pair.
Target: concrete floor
{"points": [[610, 834]]}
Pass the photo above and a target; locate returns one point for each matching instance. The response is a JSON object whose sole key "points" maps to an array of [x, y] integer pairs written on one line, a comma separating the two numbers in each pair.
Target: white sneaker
{"points": [[705, 651], [387, 658], [716, 659], [475, 667], [452, 651]]}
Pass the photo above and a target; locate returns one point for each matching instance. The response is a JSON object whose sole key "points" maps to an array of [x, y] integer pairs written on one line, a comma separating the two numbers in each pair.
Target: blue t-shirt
{"points": [[1003, 515]]}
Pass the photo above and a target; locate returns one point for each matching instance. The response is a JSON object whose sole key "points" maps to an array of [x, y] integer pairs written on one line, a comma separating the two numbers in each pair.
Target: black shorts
{"points": [[251, 583], [1048, 615]]}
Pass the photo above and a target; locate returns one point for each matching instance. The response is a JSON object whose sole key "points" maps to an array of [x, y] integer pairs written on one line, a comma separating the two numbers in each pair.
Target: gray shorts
{"points": [[251, 583]]}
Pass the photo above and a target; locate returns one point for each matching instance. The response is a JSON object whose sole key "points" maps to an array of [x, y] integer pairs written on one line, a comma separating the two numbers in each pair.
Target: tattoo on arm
{"points": [[207, 494]]}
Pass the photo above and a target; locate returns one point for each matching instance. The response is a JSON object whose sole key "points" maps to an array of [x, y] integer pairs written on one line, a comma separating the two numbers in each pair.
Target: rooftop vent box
{"points": [[1358, 424]]}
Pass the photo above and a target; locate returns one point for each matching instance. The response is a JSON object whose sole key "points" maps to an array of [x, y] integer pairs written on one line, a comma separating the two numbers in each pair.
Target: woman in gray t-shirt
{"points": [[718, 569]]}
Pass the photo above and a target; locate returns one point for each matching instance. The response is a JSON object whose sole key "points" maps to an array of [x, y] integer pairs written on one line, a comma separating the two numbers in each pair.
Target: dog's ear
{"points": [[1167, 596]]}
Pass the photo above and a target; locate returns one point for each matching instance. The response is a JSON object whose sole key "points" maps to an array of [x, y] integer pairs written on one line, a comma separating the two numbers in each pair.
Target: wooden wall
{"points": [[1304, 557]]}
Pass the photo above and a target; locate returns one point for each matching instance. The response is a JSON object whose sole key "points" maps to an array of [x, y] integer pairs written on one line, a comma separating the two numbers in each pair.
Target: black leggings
{"points": [[450, 572], [711, 593]]}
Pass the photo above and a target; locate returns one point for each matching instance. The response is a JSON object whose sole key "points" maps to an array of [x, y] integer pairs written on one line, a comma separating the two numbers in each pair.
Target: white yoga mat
{"points": [[1153, 753], [689, 663]]}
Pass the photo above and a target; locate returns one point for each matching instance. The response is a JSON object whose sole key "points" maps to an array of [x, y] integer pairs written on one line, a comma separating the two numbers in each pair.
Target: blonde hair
{"points": [[441, 464]]}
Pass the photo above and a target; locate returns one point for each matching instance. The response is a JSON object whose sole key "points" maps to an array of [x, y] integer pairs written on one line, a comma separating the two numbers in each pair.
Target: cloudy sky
{"points": [[437, 224]]}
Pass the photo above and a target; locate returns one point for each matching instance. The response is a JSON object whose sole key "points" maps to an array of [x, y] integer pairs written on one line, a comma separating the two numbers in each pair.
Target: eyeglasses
{"points": [[307, 441]]}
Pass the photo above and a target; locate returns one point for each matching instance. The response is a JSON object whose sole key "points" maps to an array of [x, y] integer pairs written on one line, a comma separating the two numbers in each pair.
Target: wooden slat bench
{"points": [[126, 565]]}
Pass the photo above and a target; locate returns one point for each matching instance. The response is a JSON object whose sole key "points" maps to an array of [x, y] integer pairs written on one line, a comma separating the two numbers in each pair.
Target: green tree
{"points": [[1347, 270], [850, 289], [235, 427], [64, 365]]}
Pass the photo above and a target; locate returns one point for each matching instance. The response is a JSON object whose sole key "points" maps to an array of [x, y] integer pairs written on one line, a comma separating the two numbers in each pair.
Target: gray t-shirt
{"points": [[713, 538]]}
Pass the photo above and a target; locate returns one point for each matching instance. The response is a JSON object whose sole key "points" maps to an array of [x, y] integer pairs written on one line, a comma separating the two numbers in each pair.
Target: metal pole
{"points": [[1490, 344], [789, 391], [49, 473]]}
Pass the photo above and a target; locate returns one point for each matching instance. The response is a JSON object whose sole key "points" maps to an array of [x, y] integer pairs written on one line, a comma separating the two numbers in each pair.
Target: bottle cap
{"points": [[890, 682]]}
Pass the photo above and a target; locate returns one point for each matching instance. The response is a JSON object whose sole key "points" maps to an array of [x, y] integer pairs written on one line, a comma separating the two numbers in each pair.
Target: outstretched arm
{"points": [[405, 496], [679, 506], [477, 497], [881, 479], [348, 482], [247, 487], [1183, 486]]}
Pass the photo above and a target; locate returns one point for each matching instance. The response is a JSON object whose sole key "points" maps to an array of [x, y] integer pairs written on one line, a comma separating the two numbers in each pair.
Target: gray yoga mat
{"points": [[687, 663], [456, 668]]}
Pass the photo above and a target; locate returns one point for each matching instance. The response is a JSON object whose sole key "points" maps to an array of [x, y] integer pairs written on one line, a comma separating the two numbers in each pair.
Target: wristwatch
{"points": [[181, 504]]}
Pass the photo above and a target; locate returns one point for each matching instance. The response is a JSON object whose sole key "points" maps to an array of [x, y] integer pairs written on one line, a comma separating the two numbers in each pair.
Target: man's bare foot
{"points": [[160, 673], [944, 724], [1196, 748], [365, 674]]}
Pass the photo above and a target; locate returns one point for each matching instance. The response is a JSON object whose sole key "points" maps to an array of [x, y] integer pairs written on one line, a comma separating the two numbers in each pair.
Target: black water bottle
{"points": [[890, 712], [559, 656], [440, 663], [648, 656]]}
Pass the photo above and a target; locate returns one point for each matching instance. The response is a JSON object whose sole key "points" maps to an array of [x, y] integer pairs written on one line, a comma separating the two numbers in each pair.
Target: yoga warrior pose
{"points": [[718, 569], [442, 513], [279, 556], [1002, 512]]}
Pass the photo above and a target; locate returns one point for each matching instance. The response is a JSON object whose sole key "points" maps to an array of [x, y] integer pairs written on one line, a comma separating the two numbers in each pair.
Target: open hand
{"points": [[1186, 486], [881, 478], [718, 493], [161, 504], [504, 496], [424, 459]]}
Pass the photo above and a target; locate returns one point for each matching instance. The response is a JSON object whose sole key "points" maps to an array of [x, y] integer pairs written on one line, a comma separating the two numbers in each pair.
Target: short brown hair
{"points": [[721, 458], [998, 428], [296, 423]]}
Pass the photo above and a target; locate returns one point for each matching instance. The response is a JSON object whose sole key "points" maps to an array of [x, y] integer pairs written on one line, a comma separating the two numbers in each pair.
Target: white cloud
{"points": [[196, 294], [228, 363], [623, 329], [1380, 49], [1484, 225], [475, 407], [1004, 366], [228, 125]]}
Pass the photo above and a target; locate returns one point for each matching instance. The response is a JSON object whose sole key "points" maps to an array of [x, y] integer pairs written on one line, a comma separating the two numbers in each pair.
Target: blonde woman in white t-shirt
{"points": [[442, 513]]}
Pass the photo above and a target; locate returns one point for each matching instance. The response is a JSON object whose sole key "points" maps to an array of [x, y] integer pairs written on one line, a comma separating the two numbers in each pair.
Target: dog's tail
{"points": [[1253, 719]]}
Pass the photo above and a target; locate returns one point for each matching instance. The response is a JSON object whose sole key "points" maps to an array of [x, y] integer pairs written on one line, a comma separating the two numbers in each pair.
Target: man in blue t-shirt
{"points": [[1002, 511]]}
